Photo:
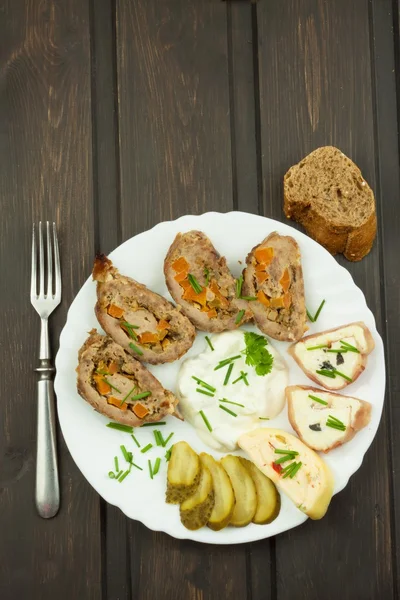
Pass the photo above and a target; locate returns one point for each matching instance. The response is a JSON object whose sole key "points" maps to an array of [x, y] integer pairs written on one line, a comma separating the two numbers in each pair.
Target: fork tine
{"points": [[49, 293], [57, 265], [41, 261], [33, 269]]}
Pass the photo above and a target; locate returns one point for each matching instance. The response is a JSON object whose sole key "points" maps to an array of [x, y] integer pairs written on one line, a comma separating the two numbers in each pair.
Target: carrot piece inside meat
{"points": [[261, 277], [285, 280], [287, 300], [264, 255], [180, 265], [277, 302], [162, 324], [216, 291], [181, 276], [102, 386], [191, 296], [112, 367], [148, 338], [115, 311], [211, 313], [140, 410], [261, 297], [117, 403]]}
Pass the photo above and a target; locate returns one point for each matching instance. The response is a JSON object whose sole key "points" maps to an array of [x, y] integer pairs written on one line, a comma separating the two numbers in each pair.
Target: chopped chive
{"points": [[228, 374], [264, 418], [279, 451], [209, 343], [239, 284], [342, 375], [338, 350], [116, 463], [239, 316], [289, 468], [168, 438], [130, 329], [129, 325], [207, 276], [157, 437], [157, 466], [135, 440], [243, 376], [294, 471], [111, 474], [141, 395], [204, 384], [146, 448], [349, 346], [150, 469], [226, 361], [335, 423], [228, 410], [136, 466], [326, 373], [319, 310], [310, 318], [317, 347], [284, 459], [230, 402], [135, 349], [194, 283], [248, 298], [317, 399], [168, 454], [118, 475], [125, 428], [338, 421], [204, 392], [127, 455], [112, 386], [291, 472], [127, 396], [154, 424], [100, 372], [206, 421], [124, 475]]}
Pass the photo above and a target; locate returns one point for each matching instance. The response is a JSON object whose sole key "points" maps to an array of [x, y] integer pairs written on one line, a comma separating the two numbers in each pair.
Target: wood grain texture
{"points": [[316, 89], [45, 174]]}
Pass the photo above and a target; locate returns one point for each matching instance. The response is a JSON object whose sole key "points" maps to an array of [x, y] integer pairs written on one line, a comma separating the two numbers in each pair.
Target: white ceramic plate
{"points": [[93, 445]]}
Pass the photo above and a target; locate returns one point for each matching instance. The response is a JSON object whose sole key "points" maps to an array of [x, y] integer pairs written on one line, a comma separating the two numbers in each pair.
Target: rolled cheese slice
{"points": [[310, 488], [334, 358], [312, 413]]}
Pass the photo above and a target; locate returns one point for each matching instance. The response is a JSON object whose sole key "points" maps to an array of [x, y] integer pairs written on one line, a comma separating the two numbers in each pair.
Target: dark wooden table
{"points": [[118, 114]]}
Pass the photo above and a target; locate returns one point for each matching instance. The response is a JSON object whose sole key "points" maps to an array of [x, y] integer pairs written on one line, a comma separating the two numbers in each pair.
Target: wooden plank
{"points": [[175, 148], [45, 174], [384, 22], [315, 89]]}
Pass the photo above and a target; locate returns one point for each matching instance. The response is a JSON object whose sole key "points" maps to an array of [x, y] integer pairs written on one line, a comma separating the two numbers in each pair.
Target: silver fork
{"points": [[47, 493]]}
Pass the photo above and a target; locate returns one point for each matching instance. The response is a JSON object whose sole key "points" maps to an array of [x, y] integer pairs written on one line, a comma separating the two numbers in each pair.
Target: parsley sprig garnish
{"points": [[256, 353]]}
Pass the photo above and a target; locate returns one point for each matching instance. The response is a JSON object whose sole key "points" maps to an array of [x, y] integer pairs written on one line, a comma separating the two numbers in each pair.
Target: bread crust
{"points": [[363, 415], [353, 242]]}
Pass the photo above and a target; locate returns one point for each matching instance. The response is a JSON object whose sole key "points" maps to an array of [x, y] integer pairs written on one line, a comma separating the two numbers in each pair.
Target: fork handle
{"points": [[47, 493]]}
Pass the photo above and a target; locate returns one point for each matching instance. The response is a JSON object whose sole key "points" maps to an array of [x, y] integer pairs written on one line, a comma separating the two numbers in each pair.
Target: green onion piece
{"points": [[194, 283], [287, 472], [130, 329], [141, 395], [239, 317], [294, 471], [204, 384], [124, 475], [288, 468], [279, 451], [317, 347], [116, 463], [206, 421], [125, 428], [135, 349], [129, 325], [157, 466], [135, 440], [230, 412], [204, 392], [326, 373], [338, 350], [349, 346], [244, 377], [230, 402], [111, 385], [342, 375], [264, 418], [167, 440], [310, 318], [249, 298], [111, 474], [146, 448], [284, 459], [118, 475], [168, 454], [154, 424], [136, 466], [226, 361], [207, 276], [209, 343], [157, 437], [127, 455], [317, 399], [150, 469], [100, 372], [128, 394], [228, 374], [319, 310], [239, 284], [336, 421]]}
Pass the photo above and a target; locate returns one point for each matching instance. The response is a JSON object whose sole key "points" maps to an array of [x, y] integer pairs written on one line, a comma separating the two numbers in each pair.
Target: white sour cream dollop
{"points": [[264, 396]]}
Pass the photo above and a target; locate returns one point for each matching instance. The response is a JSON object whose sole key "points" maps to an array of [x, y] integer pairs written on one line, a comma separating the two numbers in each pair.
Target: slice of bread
{"points": [[334, 358], [309, 409], [327, 194], [310, 487]]}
